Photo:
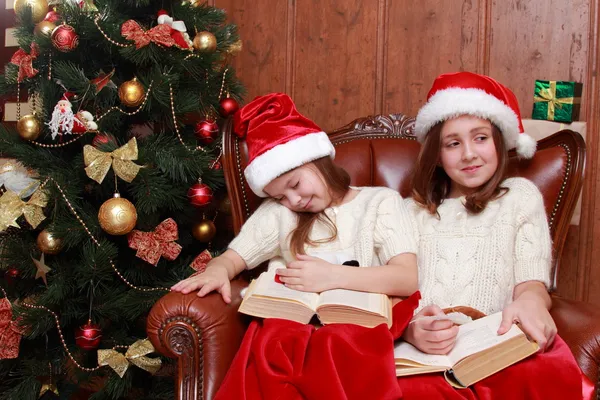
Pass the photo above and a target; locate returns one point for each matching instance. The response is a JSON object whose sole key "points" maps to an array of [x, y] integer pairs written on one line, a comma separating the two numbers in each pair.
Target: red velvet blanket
{"points": [[281, 359]]}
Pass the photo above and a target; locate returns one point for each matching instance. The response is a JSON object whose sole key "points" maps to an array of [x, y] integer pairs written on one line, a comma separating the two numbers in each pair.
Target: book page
{"points": [[406, 351], [480, 335], [267, 287], [373, 302]]}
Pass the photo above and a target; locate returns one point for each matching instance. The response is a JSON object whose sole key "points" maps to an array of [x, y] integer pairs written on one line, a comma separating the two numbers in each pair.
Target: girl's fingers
{"points": [[290, 280], [296, 287], [207, 288]]}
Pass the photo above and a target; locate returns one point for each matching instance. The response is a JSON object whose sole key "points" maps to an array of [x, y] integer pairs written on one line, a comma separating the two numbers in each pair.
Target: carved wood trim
{"points": [[183, 339]]}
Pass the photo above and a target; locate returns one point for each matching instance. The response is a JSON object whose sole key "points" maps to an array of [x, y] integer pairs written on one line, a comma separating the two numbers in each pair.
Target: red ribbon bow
{"points": [[25, 62], [10, 332], [160, 34], [199, 263], [151, 246]]}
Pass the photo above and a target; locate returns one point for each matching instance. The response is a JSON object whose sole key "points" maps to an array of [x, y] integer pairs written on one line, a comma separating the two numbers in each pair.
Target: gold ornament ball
{"points": [[117, 216], [39, 8], [205, 42], [29, 127], [132, 93], [204, 231], [44, 28], [48, 243]]}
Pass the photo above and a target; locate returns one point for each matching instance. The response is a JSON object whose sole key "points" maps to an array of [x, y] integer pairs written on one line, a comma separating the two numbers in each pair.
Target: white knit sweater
{"points": [[476, 260], [372, 228]]}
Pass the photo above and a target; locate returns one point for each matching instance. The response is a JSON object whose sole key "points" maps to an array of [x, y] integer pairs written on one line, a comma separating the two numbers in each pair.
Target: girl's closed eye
{"points": [[296, 184], [453, 143]]}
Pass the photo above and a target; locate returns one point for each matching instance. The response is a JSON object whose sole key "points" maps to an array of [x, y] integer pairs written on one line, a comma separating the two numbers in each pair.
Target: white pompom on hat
{"points": [[466, 93]]}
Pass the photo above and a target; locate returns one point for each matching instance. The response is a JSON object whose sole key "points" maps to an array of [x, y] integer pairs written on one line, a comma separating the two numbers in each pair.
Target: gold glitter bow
{"points": [[135, 354], [549, 95], [12, 207], [97, 163]]}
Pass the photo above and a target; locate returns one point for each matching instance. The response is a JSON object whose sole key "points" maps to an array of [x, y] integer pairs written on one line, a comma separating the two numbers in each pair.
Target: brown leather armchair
{"points": [[205, 333]]}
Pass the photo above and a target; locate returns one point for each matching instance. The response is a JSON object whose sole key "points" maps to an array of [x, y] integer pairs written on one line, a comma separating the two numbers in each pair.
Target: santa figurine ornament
{"points": [[178, 30], [65, 122]]}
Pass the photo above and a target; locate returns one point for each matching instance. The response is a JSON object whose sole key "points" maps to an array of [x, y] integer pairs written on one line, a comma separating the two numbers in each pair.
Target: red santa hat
{"points": [[463, 93], [279, 139]]}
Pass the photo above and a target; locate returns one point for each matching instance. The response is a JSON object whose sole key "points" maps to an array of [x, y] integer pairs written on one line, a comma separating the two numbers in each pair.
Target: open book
{"points": [[479, 352], [267, 298]]}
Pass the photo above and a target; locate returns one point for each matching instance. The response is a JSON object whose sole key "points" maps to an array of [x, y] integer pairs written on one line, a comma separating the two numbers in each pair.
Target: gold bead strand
{"points": [[72, 209], [106, 36], [175, 123], [62, 338]]}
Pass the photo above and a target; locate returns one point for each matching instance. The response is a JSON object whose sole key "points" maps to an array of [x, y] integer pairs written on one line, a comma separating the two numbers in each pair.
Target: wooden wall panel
{"points": [[538, 39], [424, 39], [263, 26], [335, 53]]}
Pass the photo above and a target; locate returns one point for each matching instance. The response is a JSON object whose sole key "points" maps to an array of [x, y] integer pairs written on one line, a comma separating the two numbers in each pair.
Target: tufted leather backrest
{"points": [[381, 151]]}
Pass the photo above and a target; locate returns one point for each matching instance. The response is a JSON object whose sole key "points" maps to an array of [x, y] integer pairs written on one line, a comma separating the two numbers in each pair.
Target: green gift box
{"points": [[557, 100]]}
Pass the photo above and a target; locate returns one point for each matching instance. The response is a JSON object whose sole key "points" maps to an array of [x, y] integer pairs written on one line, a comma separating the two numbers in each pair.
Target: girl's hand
{"points": [[215, 277], [309, 274], [431, 337], [534, 319]]}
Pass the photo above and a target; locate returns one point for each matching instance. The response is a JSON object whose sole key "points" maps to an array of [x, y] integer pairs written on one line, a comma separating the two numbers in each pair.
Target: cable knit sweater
{"points": [[372, 228], [476, 260]]}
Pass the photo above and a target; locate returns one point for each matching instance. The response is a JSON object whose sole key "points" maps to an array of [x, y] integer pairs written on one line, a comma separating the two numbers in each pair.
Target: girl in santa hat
{"points": [[483, 238], [315, 222], [311, 214]]}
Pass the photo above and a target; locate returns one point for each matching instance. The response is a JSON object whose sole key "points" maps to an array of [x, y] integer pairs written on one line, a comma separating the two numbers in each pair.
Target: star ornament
{"points": [[47, 389], [42, 269]]}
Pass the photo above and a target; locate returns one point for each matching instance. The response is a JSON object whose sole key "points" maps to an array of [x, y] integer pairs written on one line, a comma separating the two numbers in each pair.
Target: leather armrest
{"points": [[578, 324], [203, 333]]}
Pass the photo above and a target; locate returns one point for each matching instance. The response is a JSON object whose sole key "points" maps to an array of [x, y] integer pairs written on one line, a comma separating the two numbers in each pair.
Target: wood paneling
{"points": [[538, 39], [263, 25], [334, 59], [424, 39]]}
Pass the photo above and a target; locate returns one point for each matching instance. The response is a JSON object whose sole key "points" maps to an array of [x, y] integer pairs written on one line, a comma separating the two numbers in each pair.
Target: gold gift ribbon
{"points": [[135, 354], [549, 95], [12, 207], [98, 163]]}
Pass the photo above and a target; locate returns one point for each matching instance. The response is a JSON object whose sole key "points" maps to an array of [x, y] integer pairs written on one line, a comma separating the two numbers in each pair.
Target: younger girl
{"points": [[483, 239], [312, 214]]}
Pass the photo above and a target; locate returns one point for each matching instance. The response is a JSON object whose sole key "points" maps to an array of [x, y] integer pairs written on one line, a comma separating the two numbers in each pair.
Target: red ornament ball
{"points": [[200, 195], [88, 336], [64, 38], [228, 106], [215, 166], [102, 139], [11, 275], [52, 16], [206, 131]]}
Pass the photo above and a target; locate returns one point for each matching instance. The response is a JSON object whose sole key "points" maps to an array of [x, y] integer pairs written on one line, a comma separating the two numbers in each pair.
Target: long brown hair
{"points": [[431, 184], [338, 181]]}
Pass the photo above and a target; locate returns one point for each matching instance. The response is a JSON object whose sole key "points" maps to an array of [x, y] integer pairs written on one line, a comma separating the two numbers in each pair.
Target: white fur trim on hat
{"points": [[285, 157], [453, 102]]}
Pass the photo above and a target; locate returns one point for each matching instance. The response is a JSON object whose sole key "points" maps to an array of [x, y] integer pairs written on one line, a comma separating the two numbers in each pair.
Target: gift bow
{"points": [[549, 95], [97, 163], [135, 354], [10, 332], [151, 246], [12, 207], [25, 62], [200, 262], [160, 34]]}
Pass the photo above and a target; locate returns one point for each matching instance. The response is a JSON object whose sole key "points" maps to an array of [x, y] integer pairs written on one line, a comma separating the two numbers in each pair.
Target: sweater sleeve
{"points": [[393, 233], [258, 240], [533, 244]]}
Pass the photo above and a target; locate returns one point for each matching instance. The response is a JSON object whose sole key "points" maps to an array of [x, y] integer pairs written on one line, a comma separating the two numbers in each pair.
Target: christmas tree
{"points": [[111, 187]]}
